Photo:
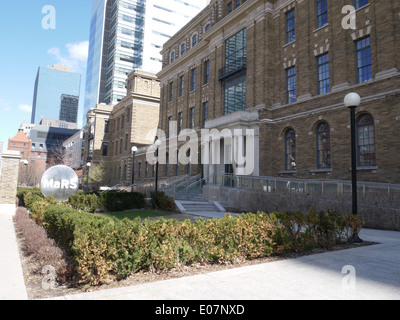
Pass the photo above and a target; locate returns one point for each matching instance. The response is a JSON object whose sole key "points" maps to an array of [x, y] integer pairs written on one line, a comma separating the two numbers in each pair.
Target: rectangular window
{"points": [[193, 80], [229, 7], [235, 72], [322, 13], [235, 94], [364, 67], [290, 26], [206, 71], [360, 3], [291, 85], [171, 92], [181, 84], [323, 74], [180, 122], [191, 118], [107, 126], [205, 113], [105, 149]]}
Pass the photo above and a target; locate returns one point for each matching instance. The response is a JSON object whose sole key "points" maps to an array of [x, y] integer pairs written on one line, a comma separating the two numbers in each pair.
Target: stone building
{"points": [[282, 69], [112, 131]]}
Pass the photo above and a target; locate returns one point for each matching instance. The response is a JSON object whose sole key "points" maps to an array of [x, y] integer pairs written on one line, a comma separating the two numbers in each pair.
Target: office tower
{"points": [[51, 83], [127, 35], [69, 108]]}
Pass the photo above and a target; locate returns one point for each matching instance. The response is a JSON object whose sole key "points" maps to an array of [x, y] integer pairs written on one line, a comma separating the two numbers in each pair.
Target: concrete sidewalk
{"points": [[370, 273], [12, 285]]}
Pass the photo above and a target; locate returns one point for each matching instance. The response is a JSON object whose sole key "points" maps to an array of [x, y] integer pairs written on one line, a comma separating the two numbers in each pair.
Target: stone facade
{"points": [[112, 131], [270, 109], [9, 180]]}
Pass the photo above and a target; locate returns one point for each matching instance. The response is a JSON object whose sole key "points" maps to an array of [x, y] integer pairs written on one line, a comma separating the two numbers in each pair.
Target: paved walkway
{"points": [[370, 273], [12, 285]]}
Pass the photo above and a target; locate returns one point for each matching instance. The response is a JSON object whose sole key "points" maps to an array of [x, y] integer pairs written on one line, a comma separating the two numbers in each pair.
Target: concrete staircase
{"points": [[201, 208]]}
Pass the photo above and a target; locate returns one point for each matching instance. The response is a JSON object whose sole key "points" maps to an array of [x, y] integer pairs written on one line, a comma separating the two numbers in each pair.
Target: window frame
{"points": [[290, 26], [370, 135], [323, 68], [325, 147], [290, 152], [361, 49]]}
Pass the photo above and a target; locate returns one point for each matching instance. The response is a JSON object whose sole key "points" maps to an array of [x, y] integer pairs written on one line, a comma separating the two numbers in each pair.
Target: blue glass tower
{"points": [[51, 84]]}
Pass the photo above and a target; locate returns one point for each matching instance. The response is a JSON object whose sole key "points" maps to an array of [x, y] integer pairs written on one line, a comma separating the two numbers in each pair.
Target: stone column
{"points": [[9, 181]]}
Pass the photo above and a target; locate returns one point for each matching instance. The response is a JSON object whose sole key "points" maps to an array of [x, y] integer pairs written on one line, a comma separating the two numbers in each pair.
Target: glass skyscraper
{"points": [[127, 35], [50, 85]]}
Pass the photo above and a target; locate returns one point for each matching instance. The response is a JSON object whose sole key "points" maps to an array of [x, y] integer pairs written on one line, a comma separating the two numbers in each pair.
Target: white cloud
{"points": [[25, 108], [75, 59]]}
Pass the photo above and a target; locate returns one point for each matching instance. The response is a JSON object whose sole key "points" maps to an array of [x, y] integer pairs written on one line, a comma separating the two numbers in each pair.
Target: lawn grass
{"points": [[132, 214]]}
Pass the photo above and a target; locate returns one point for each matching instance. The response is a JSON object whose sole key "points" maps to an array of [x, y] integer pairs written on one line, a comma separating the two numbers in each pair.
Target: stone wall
{"points": [[9, 181]]}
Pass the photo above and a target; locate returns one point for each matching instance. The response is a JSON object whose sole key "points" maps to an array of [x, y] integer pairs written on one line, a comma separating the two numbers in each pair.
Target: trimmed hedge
{"points": [[115, 201], [161, 201], [102, 247]]}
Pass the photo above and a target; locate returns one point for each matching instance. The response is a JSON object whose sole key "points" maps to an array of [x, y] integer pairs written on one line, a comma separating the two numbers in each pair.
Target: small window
{"points": [[181, 85], [208, 27], [105, 149], [191, 118], [171, 91], [172, 56]]}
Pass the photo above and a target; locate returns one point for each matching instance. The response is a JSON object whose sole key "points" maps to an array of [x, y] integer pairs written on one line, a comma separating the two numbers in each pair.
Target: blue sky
{"points": [[25, 46]]}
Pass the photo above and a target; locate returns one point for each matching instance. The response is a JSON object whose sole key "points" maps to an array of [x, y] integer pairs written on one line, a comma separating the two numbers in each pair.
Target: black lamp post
{"points": [[134, 150], [352, 101], [158, 144]]}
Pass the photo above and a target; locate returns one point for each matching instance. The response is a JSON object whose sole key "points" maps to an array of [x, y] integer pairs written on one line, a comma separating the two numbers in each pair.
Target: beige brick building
{"points": [[282, 68], [112, 131]]}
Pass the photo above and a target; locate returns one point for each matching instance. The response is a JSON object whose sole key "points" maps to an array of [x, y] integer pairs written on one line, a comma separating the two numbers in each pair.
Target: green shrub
{"points": [[23, 195], [84, 202], [115, 201], [102, 247], [161, 201]]}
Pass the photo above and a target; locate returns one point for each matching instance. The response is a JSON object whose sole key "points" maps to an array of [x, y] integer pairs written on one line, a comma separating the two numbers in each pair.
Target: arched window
{"points": [[323, 133], [366, 153], [290, 150]]}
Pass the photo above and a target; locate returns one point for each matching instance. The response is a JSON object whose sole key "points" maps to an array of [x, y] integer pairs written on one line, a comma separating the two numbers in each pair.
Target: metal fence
{"points": [[328, 189]]}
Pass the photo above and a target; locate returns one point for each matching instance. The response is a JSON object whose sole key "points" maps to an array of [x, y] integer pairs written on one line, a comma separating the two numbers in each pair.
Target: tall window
{"points": [[290, 150], [364, 68], [360, 3], [235, 67], [206, 72], [171, 92], [323, 134], [205, 113], [173, 56], [183, 49], [322, 13], [181, 84], [180, 122], [366, 154], [194, 40], [193, 80], [291, 85], [290, 26], [323, 73], [105, 149], [191, 118]]}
